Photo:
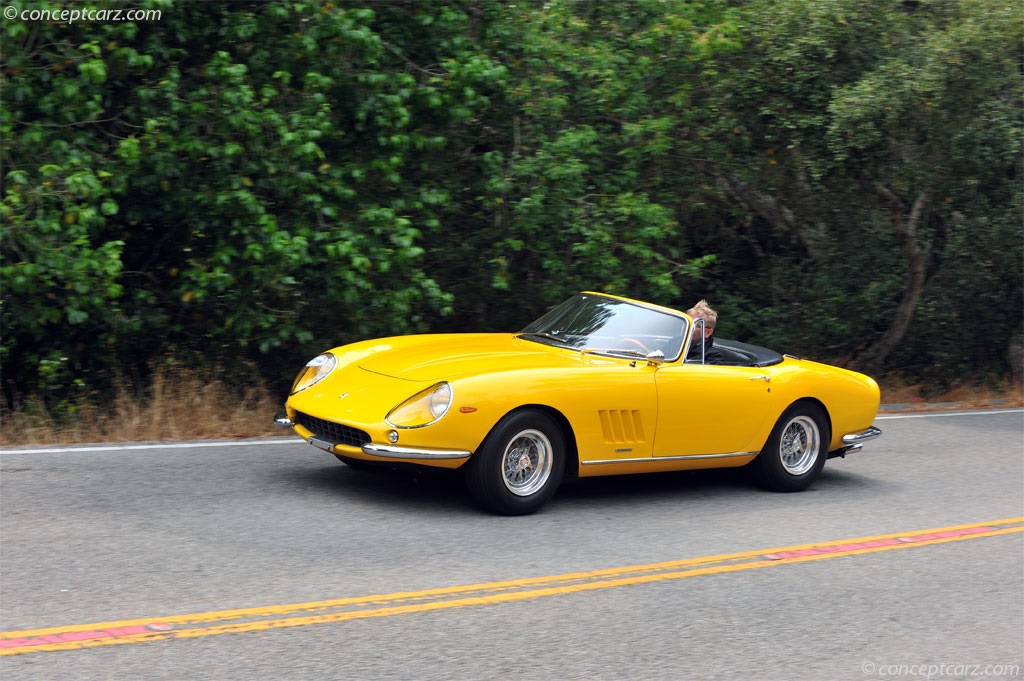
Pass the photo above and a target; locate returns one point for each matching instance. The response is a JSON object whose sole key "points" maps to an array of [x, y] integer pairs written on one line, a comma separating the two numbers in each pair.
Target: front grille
{"points": [[335, 432]]}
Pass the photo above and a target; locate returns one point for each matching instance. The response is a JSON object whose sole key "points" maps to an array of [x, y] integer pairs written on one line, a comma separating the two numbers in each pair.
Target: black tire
{"points": [[519, 465], [796, 450], [356, 464]]}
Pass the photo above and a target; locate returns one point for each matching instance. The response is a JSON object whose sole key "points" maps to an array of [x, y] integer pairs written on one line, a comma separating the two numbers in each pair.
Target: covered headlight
{"points": [[423, 408], [315, 371]]}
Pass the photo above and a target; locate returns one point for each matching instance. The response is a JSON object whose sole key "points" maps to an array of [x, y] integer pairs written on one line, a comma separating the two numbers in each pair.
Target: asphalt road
{"points": [[905, 560]]}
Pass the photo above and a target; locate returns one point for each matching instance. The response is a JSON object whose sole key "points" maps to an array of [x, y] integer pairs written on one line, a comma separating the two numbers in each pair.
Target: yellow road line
{"points": [[489, 593]]}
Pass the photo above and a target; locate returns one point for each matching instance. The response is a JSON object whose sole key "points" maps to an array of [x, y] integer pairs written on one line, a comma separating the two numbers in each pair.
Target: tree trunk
{"points": [[770, 209], [906, 233]]}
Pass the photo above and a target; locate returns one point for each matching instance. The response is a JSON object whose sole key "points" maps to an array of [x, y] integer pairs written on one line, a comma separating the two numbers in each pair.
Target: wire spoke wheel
{"points": [[799, 445], [526, 463], [796, 450], [520, 464]]}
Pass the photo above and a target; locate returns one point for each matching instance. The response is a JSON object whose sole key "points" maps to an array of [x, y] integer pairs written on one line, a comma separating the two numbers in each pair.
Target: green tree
{"points": [[584, 155], [867, 145], [231, 180], [257, 180]]}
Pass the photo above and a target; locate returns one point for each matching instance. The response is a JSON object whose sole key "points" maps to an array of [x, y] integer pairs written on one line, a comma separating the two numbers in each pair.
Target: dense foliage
{"points": [[248, 182]]}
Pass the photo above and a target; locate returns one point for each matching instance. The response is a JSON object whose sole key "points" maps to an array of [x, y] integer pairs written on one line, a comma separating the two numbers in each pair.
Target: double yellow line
{"points": [[407, 602]]}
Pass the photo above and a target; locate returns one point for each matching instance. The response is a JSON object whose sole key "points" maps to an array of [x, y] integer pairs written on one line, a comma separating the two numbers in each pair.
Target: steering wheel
{"points": [[638, 343]]}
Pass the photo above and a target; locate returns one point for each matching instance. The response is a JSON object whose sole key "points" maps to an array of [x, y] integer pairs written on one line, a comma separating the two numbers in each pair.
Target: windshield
{"points": [[609, 326]]}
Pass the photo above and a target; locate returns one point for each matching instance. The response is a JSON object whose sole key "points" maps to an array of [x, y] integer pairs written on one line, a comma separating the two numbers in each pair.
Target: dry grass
{"points": [[918, 397], [177, 406], [181, 406]]}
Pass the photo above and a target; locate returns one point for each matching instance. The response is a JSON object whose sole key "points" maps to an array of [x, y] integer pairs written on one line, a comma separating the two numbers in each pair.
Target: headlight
{"points": [[315, 371], [423, 408]]}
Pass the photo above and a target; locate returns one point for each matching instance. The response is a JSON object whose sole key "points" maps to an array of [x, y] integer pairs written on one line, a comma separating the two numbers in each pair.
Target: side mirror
{"points": [[655, 357]]}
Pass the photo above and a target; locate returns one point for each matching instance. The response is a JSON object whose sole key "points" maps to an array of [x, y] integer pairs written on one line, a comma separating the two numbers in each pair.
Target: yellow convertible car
{"points": [[600, 385]]}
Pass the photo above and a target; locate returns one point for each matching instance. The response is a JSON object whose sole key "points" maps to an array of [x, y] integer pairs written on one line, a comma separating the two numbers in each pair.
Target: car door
{"points": [[710, 410], [612, 406]]}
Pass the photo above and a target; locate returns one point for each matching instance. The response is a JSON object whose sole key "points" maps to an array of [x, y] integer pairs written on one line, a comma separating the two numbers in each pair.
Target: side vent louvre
{"points": [[621, 426]]}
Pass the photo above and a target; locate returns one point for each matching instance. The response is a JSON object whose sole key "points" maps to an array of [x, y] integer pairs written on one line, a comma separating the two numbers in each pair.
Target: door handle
{"points": [[766, 379]]}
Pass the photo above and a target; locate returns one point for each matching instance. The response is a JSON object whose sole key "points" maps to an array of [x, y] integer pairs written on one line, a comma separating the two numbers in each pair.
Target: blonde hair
{"points": [[703, 311]]}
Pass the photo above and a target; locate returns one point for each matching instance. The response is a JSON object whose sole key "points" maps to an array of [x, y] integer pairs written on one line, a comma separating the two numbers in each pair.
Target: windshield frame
{"points": [[601, 324]]}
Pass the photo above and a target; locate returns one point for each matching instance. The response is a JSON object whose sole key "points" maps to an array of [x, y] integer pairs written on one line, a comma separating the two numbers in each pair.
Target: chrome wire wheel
{"points": [[526, 463], [519, 465], [799, 445], [796, 450]]}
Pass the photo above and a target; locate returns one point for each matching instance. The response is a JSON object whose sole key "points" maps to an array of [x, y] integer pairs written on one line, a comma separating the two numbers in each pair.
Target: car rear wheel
{"points": [[796, 450], [519, 466]]}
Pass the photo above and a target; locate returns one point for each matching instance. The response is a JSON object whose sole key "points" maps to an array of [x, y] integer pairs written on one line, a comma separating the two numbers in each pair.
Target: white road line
{"points": [[949, 413], [170, 445], [298, 441]]}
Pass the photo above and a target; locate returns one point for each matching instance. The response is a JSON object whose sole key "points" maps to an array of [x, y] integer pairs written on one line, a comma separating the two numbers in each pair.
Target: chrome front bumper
{"points": [[395, 452], [383, 451]]}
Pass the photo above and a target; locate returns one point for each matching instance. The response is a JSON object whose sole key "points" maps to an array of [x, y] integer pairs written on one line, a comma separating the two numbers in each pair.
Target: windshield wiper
{"points": [[613, 352], [543, 334]]}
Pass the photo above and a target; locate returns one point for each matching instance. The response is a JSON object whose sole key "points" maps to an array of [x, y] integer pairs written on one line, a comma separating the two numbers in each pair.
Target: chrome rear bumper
{"points": [[863, 436], [855, 441]]}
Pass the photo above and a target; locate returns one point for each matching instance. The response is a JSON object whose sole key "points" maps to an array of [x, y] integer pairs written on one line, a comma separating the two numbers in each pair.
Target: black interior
{"points": [[745, 355]]}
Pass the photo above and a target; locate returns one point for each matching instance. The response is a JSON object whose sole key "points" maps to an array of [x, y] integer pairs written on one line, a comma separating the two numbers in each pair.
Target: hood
{"points": [[447, 356]]}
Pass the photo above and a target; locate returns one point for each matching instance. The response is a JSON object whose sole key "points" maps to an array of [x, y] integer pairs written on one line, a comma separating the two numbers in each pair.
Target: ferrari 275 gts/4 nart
{"points": [[599, 385]]}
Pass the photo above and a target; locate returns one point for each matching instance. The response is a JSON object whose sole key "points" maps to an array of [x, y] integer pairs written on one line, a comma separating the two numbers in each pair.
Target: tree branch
{"points": [[768, 208]]}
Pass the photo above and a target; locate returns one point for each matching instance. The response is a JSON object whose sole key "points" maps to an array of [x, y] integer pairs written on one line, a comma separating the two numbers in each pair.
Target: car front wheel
{"points": [[519, 466], [796, 450]]}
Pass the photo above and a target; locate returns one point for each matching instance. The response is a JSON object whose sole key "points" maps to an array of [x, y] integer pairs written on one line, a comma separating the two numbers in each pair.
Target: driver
{"points": [[712, 355]]}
